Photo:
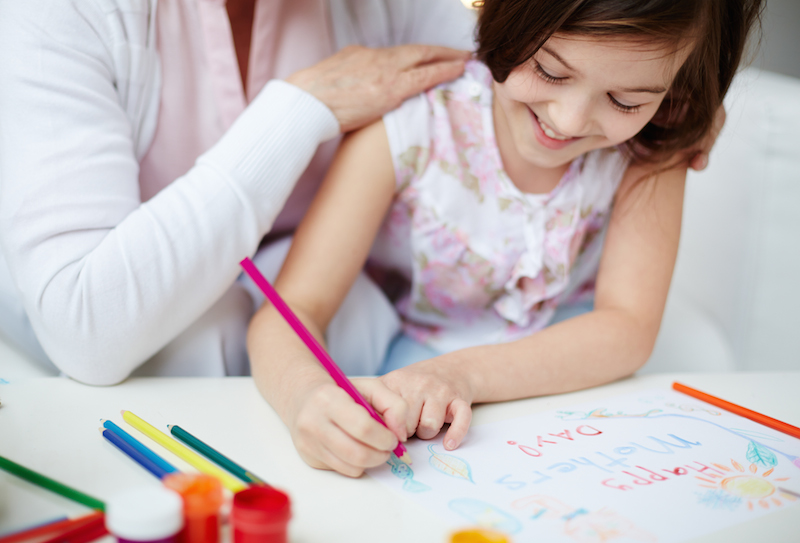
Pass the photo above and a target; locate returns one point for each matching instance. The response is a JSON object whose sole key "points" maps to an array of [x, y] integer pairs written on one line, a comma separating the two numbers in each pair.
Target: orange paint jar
{"points": [[202, 499]]}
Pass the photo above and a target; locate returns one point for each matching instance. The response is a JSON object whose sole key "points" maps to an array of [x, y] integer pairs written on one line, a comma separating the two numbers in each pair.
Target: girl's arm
{"points": [[329, 249], [606, 344]]}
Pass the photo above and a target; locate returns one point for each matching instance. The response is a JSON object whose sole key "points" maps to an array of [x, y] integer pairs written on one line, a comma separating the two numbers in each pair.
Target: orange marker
{"points": [[775, 424]]}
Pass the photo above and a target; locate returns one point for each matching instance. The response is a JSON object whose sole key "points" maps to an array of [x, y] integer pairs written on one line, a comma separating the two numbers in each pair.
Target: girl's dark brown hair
{"points": [[511, 31]]}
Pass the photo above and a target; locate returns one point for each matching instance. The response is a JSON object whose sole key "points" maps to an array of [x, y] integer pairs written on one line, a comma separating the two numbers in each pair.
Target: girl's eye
{"points": [[622, 107], [546, 76]]}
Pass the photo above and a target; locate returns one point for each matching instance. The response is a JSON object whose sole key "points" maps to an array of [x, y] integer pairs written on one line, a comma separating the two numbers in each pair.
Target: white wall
{"points": [[780, 46]]}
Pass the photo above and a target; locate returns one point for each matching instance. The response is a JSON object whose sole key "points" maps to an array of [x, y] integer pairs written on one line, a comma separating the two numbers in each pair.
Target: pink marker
{"points": [[312, 343]]}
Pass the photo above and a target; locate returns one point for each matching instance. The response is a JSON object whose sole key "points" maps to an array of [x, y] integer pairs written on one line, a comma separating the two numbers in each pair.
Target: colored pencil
{"points": [[139, 446], [775, 424], [43, 527], [312, 343], [133, 454], [214, 455], [789, 492], [50, 484], [46, 529], [191, 457], [82, 533]]}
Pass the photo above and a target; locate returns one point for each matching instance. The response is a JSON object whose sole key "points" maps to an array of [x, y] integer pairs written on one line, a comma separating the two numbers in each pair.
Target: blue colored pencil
{"points": [[139, 446], [141, 459]]}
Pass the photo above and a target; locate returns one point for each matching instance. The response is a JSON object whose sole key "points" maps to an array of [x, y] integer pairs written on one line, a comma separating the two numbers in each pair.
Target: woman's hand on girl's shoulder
{"points": [[434, 397], [331, 431]]}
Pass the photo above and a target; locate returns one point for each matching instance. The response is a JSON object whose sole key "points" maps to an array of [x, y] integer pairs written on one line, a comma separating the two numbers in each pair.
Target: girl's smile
{"points": [[547, 136], [577, 94]]}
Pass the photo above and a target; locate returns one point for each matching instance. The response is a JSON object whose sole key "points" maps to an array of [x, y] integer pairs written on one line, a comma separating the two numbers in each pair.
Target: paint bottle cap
{"points": [[144, 514], [479, 535], [260, 514]]}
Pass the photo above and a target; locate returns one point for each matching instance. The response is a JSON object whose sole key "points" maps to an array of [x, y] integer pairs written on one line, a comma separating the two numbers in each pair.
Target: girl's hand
{"points": [[434, 397], [331, 431]]}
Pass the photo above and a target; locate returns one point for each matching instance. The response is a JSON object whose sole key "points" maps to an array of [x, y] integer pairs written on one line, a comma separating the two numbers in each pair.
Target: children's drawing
{"points": [[582, 525], [485, 515], [719, 499], [688, 407], [450, 465], [759, 454], [600, 413], [761, 436], [652, 414], [403, 471], [742, 485], [634, 472]]}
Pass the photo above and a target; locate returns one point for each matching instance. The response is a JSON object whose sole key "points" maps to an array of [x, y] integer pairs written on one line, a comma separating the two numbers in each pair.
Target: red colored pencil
{"points": [[68, 524], [775, 424], [314, 346], [83, 533]]}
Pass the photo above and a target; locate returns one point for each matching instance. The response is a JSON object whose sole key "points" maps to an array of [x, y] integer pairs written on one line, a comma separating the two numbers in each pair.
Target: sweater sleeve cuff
{"points": [[270, 145]]}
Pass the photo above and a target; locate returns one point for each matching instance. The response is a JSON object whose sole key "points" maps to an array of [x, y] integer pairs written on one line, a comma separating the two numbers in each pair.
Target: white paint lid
{"points": [[145, 514]]}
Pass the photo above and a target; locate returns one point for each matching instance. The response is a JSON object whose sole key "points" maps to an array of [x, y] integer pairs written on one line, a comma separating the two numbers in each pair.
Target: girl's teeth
{"points": [[549, 132]]}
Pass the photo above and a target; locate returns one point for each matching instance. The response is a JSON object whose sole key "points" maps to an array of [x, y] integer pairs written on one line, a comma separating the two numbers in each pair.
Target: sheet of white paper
{"points": [[653, 466]]}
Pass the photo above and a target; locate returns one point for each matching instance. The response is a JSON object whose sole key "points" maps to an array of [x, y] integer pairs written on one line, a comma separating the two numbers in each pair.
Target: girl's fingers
{"points": [[330, 447], [460, 415], [355, 421], [431, 419], [347, 455], [390, 405]]}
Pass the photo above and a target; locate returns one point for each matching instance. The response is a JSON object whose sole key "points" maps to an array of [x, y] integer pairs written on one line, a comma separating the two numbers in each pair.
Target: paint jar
{"points": [[260, 515], [202, 499], [145, 515], [479, 535]]}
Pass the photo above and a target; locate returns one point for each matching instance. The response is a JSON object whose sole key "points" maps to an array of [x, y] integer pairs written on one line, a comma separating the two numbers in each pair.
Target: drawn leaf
{"points": [[759, 454], [450, 465]]}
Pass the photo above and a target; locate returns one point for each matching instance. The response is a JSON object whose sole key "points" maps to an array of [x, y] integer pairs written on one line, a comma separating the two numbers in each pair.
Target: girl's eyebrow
{"points": [[652, 90]]}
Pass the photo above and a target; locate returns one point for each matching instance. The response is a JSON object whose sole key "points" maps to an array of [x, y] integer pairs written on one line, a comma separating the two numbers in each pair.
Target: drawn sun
{"points": [[752, 487]]}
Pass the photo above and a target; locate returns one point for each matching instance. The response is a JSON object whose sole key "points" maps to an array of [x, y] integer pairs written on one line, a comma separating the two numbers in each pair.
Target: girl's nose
{"points": [[571, 116]]}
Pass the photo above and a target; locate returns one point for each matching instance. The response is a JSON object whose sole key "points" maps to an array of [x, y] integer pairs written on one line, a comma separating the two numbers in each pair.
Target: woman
{"points": [[147, 147]]}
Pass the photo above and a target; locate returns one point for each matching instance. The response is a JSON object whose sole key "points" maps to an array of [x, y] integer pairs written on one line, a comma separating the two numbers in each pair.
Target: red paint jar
{"points": [[260, 515], [202, 499]]}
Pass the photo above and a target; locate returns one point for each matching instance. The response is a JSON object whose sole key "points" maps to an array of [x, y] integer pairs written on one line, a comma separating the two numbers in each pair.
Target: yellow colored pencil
{"points": [[182, 452]]}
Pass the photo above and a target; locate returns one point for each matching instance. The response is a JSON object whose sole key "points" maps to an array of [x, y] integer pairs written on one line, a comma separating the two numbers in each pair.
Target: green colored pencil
{"points": [[214, 455], [54, 486]]}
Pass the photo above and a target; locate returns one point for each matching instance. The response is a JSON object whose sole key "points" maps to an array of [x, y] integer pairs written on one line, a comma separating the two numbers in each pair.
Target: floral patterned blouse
{"points": [[486, 262]]}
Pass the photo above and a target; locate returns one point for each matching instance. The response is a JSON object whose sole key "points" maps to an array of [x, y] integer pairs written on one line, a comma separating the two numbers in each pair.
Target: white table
{"points": [[51, 425]]}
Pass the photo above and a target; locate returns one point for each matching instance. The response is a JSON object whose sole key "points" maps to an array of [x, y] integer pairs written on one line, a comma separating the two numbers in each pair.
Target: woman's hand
{"points": [[331, 431], [435, 396], [360, 84]]}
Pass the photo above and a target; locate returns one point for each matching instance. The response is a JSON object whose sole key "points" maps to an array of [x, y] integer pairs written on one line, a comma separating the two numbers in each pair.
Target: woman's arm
{"points": [[606, 344], [328, 251], [106, 279]]}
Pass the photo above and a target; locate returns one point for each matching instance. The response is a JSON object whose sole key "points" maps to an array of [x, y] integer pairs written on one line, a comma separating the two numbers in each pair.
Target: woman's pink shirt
{"points": [[202, 93]]}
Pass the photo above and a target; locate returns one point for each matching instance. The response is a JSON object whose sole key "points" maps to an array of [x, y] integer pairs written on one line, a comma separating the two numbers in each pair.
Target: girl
{"points": [[501, 190]]}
